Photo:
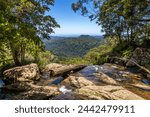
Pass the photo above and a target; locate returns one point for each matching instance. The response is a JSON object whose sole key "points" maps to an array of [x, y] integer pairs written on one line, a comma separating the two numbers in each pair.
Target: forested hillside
{"points": [[72, 46]]}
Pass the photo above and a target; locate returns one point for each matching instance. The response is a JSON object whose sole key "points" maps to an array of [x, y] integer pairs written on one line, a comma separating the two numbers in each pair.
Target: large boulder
{"points": [[55, 69], [27, 73], [140, 56]]}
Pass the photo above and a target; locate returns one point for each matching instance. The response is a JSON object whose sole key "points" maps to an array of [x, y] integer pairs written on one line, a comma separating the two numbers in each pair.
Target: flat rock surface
{"points": [[109, 93]]}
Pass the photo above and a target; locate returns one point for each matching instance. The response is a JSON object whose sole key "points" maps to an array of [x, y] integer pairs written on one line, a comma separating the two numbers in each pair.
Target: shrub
{"points": [[43, 58], [101, 54], [127, 53], [77, 60]]}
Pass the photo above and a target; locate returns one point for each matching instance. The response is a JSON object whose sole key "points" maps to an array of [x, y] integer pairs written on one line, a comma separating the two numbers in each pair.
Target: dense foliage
{"points": [[101, 54], [23, 24], [109, 49]]}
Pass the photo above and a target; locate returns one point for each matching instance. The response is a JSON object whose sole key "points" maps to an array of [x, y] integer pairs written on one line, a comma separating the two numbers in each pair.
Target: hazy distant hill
{"points": [[72, 46], [89, 36]]}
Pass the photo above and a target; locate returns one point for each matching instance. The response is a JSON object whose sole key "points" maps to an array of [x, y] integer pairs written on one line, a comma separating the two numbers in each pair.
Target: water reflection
{"points": [[57, 80], [146, 81]]}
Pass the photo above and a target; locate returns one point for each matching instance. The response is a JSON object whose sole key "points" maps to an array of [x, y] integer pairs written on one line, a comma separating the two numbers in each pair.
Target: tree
{"points": [[124, 19], [23, 23]]}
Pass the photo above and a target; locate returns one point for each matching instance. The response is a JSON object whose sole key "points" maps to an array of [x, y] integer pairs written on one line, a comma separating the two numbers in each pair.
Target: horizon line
{"points": [[75, 35]]}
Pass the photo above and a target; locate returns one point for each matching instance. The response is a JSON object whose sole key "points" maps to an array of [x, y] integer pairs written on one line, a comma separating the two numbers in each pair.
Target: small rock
{"points": [[148, 76]]}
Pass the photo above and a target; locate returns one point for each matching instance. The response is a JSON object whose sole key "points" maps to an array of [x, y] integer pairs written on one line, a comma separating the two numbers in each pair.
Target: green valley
{"points": [[69, 47]]}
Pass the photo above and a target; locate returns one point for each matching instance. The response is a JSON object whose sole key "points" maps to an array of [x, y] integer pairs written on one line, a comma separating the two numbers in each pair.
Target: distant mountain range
{"points": [[82, 36], [68, 47], [89, 36]]}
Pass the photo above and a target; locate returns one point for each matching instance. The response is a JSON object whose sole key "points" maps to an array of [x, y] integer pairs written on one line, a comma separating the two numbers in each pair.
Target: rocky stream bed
{"points": [[58, 82]]}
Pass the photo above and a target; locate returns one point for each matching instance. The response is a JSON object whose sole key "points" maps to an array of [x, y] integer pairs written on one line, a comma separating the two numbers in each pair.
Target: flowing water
{"points": [[126, 77]]}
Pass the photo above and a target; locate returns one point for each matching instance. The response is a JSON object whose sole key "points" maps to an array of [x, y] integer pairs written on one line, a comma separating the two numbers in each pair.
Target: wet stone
{"points": [[146, 81]]}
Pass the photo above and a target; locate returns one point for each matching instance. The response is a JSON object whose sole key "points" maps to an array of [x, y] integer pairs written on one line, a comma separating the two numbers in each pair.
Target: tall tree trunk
{"points": [[22, 54], [119, 36], [148, 32], [15, 55], [128, 36], [131, 35]]}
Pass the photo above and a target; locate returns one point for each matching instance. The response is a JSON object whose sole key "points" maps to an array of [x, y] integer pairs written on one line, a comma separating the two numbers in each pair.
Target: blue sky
{"points": [[72, 23]]}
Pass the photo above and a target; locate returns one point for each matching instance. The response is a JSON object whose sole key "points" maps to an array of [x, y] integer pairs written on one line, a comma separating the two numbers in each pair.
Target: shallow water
{"points": [[88, 73], [146, 81], [1, 83], [111, 70], [57, 80]]}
